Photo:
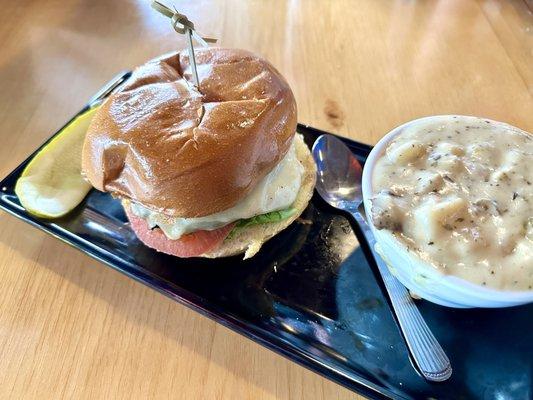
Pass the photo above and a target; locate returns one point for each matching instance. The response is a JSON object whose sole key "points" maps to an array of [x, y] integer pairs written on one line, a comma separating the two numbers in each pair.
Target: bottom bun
{"points": [[249, 240]]}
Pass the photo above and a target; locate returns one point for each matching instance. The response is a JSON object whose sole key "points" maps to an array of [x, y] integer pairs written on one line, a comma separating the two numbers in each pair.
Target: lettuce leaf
{"points": [[274, 216]]}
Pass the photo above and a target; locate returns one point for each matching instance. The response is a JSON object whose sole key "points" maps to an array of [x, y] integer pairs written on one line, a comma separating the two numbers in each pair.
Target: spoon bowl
{"points": [[339, 173]]}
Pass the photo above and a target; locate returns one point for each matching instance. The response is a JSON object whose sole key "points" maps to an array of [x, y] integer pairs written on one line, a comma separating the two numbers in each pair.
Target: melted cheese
{"points": [[276, 191]]}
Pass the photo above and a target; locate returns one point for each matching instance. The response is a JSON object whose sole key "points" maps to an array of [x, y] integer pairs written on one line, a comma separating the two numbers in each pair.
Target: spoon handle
{"points": [[425, 350]]}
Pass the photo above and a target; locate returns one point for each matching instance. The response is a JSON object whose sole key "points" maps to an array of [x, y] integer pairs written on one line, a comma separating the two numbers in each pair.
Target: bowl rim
{"points": [[466, 287]]}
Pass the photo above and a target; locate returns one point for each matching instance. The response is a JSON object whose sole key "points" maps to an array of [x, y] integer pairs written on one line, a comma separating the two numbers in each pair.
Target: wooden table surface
{"points": [[71, 327]]}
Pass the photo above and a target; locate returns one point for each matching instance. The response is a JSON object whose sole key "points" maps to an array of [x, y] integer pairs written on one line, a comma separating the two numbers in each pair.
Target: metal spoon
{"points": [[339, 184]]}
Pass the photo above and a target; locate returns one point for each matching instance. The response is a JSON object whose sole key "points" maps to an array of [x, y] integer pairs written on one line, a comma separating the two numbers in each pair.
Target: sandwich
{"points": [[212, 171]]}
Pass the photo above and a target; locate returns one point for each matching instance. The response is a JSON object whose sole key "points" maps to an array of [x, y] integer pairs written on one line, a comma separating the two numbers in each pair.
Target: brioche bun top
{"points": [[161, 143]]}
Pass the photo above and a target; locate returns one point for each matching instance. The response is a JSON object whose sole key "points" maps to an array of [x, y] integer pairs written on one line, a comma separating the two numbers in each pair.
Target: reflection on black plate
{"points": [[311, 295]]}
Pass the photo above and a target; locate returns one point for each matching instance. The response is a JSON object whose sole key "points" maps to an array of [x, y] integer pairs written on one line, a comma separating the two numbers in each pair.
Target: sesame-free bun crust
{"points": [[176, 151], [249, 240]]}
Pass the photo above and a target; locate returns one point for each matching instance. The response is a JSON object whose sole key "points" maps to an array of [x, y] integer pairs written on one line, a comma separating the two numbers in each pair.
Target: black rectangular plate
{"points": [[311, 295]]}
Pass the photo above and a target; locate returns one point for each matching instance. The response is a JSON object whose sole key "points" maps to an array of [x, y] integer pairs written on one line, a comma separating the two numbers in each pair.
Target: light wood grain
{"points": [[72, 328]]}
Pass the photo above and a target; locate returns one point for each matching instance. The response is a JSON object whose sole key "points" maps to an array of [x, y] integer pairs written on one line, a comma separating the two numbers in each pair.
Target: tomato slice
{"points": [[190, 245]]}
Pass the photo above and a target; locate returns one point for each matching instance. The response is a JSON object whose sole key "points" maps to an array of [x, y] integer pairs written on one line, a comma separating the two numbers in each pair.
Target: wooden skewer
{"points": [[183, 25]]}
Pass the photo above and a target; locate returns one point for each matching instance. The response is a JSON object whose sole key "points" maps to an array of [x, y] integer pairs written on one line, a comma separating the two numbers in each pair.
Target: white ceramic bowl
{"points": [[417, 275]]}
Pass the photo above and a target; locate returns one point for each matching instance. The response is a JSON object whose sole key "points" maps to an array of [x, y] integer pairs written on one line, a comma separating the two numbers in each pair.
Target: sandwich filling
{"points": [[275, 193]]}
